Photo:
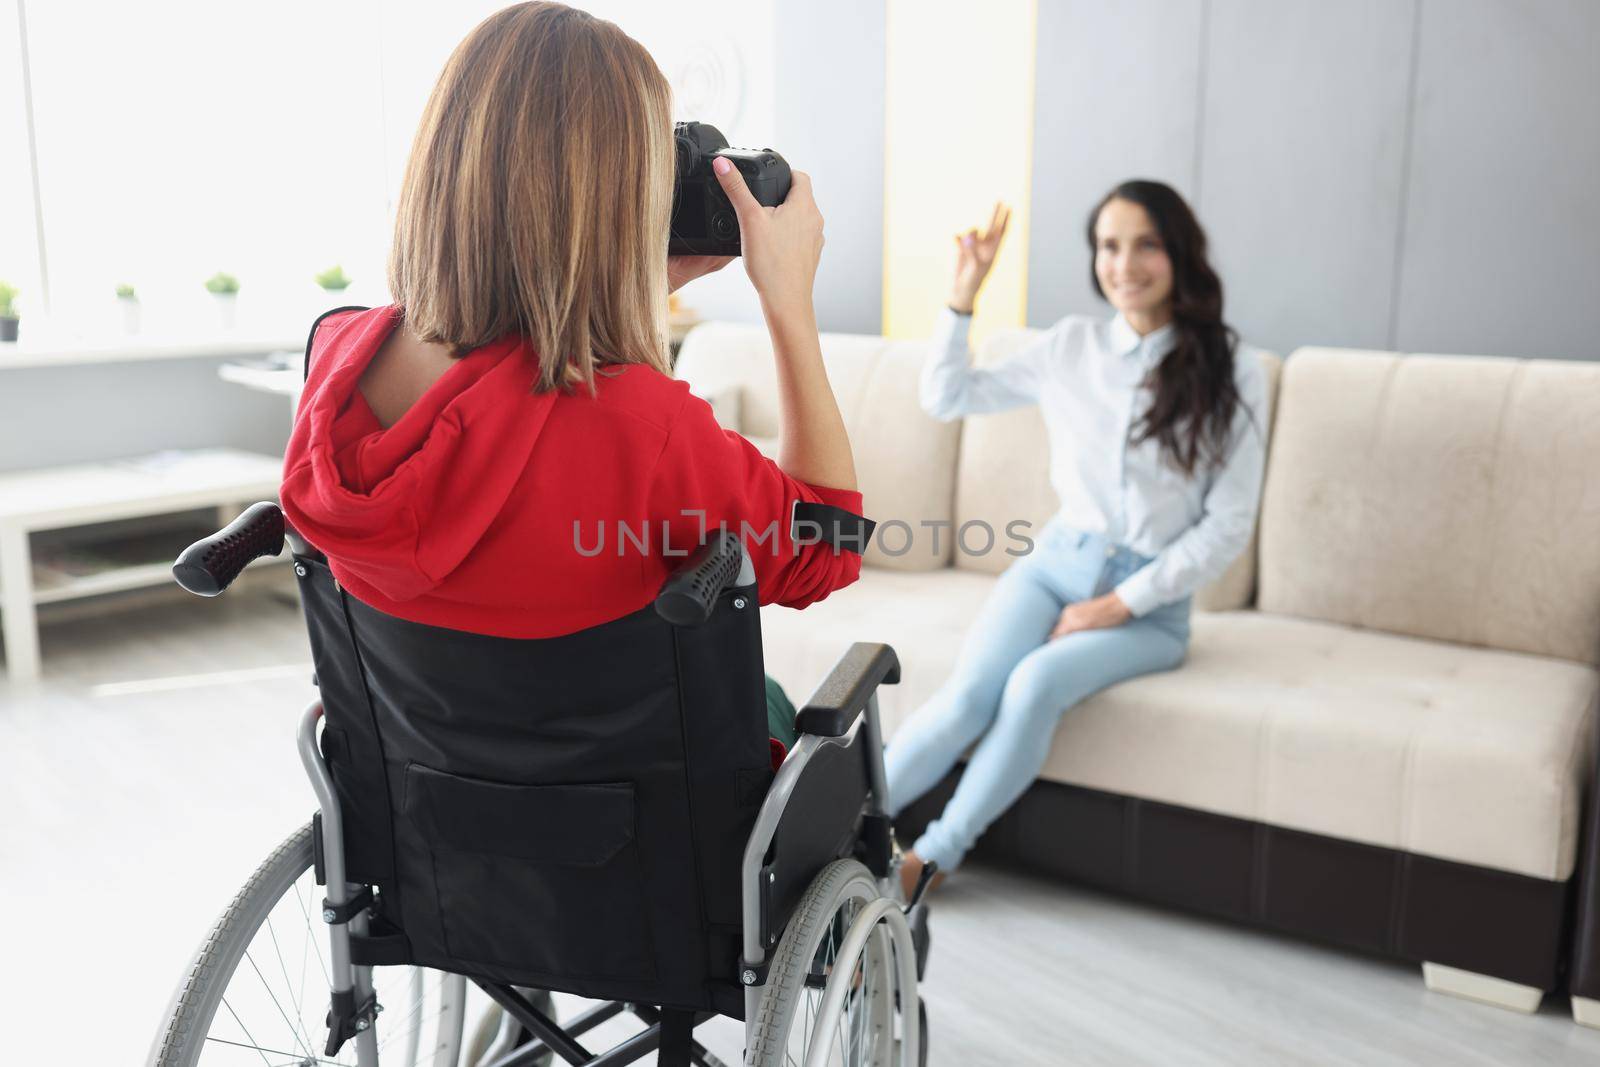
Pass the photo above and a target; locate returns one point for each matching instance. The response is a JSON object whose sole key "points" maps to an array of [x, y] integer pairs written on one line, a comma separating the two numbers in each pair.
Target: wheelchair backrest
{"points": [[568, 812]]}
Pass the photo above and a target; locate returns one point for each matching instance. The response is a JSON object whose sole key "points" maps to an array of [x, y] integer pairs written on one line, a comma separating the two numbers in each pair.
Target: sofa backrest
{"points": [[1447, 497], [1003, 474], [905, 460]]}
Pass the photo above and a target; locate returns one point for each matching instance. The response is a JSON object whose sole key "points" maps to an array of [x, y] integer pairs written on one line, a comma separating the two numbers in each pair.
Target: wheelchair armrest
{"points": [[842, 696]]}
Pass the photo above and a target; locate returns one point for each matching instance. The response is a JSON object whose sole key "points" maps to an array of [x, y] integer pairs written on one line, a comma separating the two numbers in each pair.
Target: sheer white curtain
{"points": [[178, 138], [19, 251], [181, 138]]}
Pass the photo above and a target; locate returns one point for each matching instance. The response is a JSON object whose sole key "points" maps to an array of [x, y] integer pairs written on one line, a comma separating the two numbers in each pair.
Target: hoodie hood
{"points": [[399, 508]]}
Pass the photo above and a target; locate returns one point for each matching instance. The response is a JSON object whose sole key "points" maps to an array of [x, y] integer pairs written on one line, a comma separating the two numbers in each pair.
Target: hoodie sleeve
{"points": [[708, 478]]}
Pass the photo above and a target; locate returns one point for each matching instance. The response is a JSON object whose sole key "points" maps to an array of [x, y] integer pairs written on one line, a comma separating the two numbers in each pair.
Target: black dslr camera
{"points": [[703, 220]]}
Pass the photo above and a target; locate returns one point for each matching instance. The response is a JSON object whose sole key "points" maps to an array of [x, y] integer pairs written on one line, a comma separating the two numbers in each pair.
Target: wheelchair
{"points": [[595, 814]]}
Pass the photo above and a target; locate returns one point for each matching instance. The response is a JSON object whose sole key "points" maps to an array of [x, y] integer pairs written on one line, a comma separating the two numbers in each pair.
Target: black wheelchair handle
{"points": [[690, 593], [210, 565]]}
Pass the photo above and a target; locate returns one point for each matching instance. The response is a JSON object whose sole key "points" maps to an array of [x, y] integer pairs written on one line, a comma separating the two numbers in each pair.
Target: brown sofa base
{"points": [[1358, 896]]}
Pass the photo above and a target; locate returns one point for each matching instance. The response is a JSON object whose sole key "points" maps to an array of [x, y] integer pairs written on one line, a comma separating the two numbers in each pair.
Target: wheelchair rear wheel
{"points": [[257, 990], [798, 1023]]}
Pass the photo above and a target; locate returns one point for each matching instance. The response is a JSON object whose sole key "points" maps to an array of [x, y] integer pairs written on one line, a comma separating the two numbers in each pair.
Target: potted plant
{"points": [[333, 280], [224, 289], [129, 299], [8, 312]]}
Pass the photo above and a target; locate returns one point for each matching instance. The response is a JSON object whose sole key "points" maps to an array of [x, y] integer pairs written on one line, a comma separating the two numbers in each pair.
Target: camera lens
{"points": [[724, 225]]}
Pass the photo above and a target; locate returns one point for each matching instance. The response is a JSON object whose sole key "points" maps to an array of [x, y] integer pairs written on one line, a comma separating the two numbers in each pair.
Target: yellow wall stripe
{"points": [[958, 135]]}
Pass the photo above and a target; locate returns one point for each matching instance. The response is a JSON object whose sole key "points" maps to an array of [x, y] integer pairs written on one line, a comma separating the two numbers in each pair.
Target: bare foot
{"points": [[911, 870]]}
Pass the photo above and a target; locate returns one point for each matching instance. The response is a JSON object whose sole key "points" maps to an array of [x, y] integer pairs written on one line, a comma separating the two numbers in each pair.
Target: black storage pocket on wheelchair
{"points": [[534, 878]]}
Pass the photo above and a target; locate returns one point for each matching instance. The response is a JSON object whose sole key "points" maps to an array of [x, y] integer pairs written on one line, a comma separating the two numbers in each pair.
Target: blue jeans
{"points": [[1012, 685]]}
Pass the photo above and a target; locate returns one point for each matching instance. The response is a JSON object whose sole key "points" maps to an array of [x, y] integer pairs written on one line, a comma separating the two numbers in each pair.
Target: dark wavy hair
{"points": [[1195, 395]]}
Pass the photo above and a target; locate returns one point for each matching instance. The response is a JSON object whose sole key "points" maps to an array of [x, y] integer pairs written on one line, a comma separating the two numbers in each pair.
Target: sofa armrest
{"points": [[842, 696]]}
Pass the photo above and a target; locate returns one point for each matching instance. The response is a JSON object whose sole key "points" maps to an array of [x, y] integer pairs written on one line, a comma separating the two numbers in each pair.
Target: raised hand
{"points": [[975, 252]]}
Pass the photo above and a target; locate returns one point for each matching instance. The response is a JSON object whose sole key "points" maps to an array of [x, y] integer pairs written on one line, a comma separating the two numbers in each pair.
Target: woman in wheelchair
{"points": [[530, 562]]}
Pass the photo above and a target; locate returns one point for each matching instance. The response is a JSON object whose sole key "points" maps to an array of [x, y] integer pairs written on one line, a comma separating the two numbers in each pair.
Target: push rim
{"points": [[864, 1028]]}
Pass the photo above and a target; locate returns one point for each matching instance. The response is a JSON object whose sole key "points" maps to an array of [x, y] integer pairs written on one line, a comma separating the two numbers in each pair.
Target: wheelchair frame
{"points": [[843, 712], [761, 835], [352, 984]]}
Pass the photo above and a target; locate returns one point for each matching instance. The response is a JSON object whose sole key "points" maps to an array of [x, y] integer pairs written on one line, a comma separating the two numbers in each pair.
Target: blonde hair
{"points": [[538, 196]]}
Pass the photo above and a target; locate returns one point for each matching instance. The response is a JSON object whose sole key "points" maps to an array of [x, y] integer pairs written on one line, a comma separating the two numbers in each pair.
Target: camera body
{"points": [[703, 219]]}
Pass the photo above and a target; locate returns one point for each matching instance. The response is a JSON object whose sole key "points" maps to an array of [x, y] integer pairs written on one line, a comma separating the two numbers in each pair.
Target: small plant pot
{"points": [[131, 314], [227, 309], [8, 328]]}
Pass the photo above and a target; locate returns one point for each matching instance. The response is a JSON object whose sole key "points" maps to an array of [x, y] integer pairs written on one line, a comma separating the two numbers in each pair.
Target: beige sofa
{"points": [[1384, 735]]}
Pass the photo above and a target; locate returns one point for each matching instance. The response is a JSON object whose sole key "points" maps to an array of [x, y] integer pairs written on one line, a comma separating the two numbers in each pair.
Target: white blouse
{"points": [[1087, 377]]}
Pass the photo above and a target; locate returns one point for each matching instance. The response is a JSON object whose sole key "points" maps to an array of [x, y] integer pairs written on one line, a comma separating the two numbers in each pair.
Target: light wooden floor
{"points": [[127, 818]]}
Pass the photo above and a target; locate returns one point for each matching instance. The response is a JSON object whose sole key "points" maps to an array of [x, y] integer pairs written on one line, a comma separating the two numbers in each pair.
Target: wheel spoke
{"points": [[288, 986], [248, 1036], [297, 1059], [311, 937], [838, 1028], [293, 1031], [857, 1016], [305, 945], [415, 1027]]}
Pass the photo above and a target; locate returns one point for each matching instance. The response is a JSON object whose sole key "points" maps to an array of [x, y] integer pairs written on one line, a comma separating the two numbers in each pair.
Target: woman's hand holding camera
{"points": [[975, 254], [681, 270], [781, 245], [781, 248]]}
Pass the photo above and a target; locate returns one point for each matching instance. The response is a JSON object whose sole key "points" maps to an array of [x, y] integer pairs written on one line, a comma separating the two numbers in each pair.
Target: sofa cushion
{"points": [[905, 460], [1466, 754], [1003, 474], [924, 616], [1451, 497]]}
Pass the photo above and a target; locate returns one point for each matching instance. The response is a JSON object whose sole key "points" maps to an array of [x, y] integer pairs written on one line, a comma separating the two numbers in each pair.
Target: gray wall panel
{"points": [[1503, 207], [1115, 98], [830, 114], [1302, 145]]}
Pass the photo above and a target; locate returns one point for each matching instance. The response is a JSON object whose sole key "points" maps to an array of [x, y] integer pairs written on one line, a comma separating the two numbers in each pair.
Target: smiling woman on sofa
{"points": [[1157, 420]]}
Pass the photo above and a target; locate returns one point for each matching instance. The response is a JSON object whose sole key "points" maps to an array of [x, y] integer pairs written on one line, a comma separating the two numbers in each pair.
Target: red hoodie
{"points": [[494, 509]]}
